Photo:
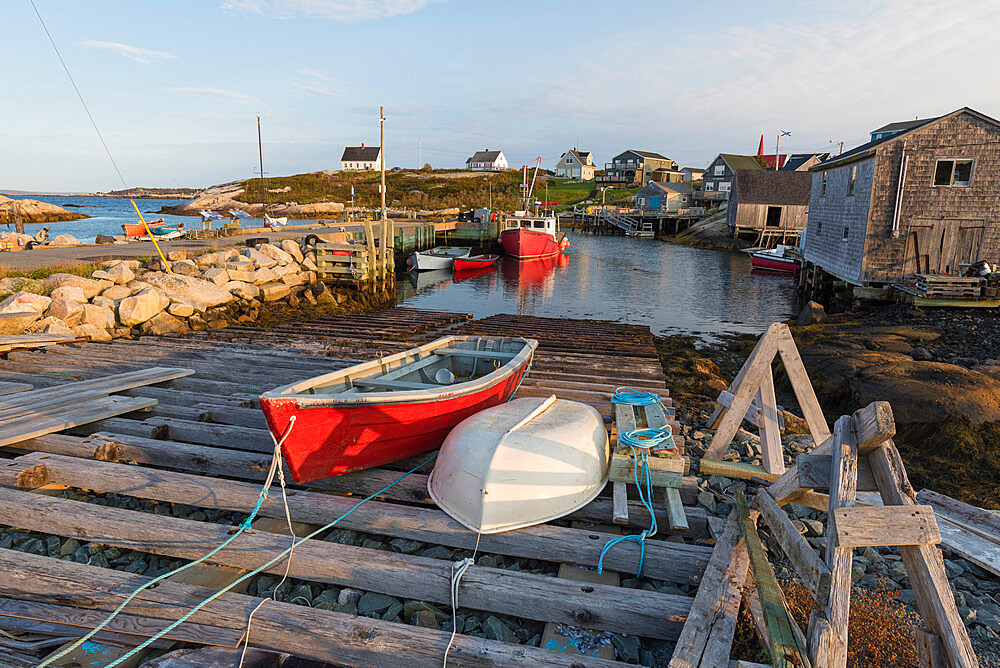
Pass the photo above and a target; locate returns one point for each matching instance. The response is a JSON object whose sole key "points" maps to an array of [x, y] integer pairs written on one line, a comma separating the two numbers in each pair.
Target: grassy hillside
{"points": [[437, 189]]}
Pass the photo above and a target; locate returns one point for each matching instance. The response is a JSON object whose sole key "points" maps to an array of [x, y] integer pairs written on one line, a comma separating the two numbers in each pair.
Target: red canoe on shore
{"points": [[392, 408], [475, 262]]}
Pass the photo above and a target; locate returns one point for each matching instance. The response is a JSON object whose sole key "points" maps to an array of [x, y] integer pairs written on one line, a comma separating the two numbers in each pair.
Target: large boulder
{"points": [[163, 323], [261, 276], [259, 259], [218, 257], [180, 310], [291, 247], [98, 316], [70, 292], [121, 273], [19, 302], [16, 323], [95, 333], [68, 311], [812, 313], [197, 292], [65, 241], [185, 268], [104, 302], [217, 275], [52, 327], [243, 290], [142, 306], [116, 292], [276, 253], [90, 287], [272, 292]]}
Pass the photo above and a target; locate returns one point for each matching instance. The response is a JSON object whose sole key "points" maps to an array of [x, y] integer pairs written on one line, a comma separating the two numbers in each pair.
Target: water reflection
{"points": [[671, 288]]}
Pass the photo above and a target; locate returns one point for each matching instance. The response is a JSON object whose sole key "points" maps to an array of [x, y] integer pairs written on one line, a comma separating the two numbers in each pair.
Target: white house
{"points": [[576, 164], [361, 158], [487, 161]]}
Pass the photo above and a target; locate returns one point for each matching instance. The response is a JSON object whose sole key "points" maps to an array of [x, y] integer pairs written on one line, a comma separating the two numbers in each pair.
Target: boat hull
{"points": [[139, 230], [429, 261], [774, 263], [478, 262], [337, 434], [526, 244]]}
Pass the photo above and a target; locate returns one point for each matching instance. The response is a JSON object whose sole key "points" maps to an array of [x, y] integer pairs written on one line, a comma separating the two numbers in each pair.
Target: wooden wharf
{"points": [[195, 442]]}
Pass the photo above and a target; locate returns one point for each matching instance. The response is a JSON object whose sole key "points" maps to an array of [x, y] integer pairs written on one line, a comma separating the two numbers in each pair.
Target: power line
{"points": [[78, 94]]}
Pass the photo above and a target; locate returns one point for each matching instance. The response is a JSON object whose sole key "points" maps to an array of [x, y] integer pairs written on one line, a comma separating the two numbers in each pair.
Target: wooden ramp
{"points": [[202, 452]]}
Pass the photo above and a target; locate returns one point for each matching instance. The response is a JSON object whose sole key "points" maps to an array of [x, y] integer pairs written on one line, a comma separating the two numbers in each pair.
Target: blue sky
{"points": [[175, 86]]}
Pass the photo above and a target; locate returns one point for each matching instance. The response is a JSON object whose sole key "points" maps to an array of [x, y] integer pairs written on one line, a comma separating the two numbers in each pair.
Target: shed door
{"points": [[654, 201], [941, 246]]}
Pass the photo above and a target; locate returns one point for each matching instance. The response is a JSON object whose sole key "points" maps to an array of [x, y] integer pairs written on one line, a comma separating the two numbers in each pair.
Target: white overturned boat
{"points": [[441, 257], [521, 463]]}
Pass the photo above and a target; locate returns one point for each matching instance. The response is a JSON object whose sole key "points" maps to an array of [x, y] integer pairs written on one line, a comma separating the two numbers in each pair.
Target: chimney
{"points": [[362, 144]]}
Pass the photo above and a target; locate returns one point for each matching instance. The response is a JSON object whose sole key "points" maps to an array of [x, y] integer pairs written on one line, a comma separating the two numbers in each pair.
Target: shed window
{"points": [[822, 190], [850, 180], [710, 185], [569, 160], [953, 173], [847, 231], [720, 170]]}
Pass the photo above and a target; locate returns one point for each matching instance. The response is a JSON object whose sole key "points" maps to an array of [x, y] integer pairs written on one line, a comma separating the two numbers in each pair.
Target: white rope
{"points": [[458, 569], [275, 465]]}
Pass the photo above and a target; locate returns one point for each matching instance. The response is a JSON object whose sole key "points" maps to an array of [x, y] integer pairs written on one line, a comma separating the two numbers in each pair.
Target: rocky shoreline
{"points": [[34, 211]]}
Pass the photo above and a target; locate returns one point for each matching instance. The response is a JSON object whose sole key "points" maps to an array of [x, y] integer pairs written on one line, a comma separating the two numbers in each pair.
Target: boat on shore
{"points": [[395, 407], [473, 262], [440, 257], [774, 259], [157, 228], [522, 463]]}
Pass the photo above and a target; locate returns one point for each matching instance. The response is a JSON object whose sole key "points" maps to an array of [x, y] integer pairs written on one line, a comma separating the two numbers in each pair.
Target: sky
{"points": [[175, 87]]}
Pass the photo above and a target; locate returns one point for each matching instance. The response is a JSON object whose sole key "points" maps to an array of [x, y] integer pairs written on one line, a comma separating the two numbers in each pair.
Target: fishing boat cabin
{"points": [[921, 199]]}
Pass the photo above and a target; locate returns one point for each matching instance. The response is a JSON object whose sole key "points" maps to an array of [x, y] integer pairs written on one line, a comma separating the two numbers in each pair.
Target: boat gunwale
{"points": [[296, 391]]}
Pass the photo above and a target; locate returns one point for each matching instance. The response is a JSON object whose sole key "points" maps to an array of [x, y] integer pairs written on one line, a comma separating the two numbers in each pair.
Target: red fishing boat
{"points": [[775, 259], [475, 262], [530, 238], [392, 408]]}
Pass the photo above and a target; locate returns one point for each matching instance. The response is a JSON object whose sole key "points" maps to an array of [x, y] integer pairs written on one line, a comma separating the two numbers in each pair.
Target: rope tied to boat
{"points": [[244, 526], [645, 487]]}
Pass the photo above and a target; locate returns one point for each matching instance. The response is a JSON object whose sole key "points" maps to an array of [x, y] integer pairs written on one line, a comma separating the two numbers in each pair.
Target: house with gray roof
{"points": [[634, 167], [768, 204], [576, 164], [717, 180], [361, 158], [664, 197], [487, 161], [920, 199]]}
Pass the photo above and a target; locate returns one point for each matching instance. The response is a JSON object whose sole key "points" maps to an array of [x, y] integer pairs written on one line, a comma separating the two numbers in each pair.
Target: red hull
{"points": [[526, 244], [332, 440], [774, 264], [472, 263]]}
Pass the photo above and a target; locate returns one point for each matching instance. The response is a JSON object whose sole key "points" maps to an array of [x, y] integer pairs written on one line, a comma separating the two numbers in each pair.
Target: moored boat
{"points": [[775, 259], [532, 237], [441, 257], [521, 463], [392, 408], [473, 262]]}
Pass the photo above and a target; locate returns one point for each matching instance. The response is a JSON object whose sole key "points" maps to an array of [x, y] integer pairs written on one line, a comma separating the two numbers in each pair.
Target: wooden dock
{"points": [[181, 469]]}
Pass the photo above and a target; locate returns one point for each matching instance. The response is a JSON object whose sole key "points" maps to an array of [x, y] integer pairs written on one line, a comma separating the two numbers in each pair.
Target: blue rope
{"points": [[646, 497], [655, 438], [633, 397]]}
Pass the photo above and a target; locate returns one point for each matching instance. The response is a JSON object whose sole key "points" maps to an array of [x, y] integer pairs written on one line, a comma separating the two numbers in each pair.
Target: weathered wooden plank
{"points": [[787, 651], [875, 426], [675, 562], [789, 486], [717, 603], [812, 570], [772, 453], [957, 539], [663, 471], [802, 386], [875, 526], [962, 513], [753, 415], [280, 627], [924, 564], [742, 470], [814, 473], [843, 491], [48, 421], [620, 503], [407, 576], [675, 509], [11, 388]]}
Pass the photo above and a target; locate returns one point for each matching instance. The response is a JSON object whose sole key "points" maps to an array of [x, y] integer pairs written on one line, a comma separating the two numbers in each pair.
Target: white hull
{"points": [[275, 221], [437, 258], [522, 463]]}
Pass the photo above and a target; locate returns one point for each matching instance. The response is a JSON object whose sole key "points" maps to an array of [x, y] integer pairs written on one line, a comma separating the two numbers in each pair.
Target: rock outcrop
{"points": [[34, 211]]}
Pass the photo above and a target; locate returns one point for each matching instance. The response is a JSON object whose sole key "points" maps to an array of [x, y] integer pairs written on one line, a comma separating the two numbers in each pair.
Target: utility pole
{"points": [[381, 146], [777, 144], [260, 151], [420, 163]]}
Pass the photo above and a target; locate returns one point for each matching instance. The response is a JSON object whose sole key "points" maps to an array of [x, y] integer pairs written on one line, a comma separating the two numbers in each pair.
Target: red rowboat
{"points": [[774, 260], [475, 262], [395, 407], [528, 238]]}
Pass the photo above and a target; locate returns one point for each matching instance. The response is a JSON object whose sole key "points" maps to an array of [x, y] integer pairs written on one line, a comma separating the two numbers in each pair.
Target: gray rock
{"points": [[405, 546], [799, 526], [425, 619], [626, 648], [921, 354], [392, 614], [413, 607], [349, 596], [813, 527], [988, 615], [812, 313], [327, 600], [301, 595], [439, 552], [706, 499], [495, 629], [373, 602]]}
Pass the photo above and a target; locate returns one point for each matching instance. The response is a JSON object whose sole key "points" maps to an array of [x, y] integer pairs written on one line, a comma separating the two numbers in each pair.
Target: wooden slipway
{"points": [[204, 444]]}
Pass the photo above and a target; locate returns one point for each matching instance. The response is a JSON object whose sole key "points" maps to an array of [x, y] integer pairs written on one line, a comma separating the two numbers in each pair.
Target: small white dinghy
{"points": [[521, 463]]}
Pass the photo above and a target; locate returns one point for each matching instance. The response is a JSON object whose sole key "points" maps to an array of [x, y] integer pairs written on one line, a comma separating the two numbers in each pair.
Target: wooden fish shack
{"points": [[908, 214]]}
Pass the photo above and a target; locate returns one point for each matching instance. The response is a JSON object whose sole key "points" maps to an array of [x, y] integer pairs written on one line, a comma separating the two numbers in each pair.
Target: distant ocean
{"points": [[107, 215]]}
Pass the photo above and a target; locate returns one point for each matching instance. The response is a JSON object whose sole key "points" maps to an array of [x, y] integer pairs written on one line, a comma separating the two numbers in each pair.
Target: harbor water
{"points": [[671, 288]]}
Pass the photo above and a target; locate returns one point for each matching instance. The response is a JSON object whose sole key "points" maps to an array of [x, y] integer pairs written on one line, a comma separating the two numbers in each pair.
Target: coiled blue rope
{"points": [[653, 438], [633, 397], [646, 497]]}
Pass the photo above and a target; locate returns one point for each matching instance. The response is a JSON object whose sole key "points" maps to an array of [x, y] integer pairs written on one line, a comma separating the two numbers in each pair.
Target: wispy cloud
{"points": [[136, 53], [222, 93], [315, 82], [337, 10]]}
